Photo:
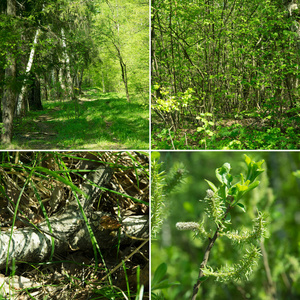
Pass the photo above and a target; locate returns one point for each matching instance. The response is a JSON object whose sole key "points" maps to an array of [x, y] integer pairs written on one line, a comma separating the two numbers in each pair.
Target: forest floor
{"points": [[118, 272], [243, 132], [99, 121]]}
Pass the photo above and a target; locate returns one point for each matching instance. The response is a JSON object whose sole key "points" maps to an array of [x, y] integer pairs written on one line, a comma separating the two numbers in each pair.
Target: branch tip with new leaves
{"points": [[218, 203]]}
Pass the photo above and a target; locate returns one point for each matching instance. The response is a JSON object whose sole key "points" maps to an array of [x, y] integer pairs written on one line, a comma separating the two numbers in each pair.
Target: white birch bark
{"points": [[61, 79], [28, 68], [67, 63], [69, 230], [71, 233]]}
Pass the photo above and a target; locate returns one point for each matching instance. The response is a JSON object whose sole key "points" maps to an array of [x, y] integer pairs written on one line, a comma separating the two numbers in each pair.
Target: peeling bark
{"points": [[69, 230]]}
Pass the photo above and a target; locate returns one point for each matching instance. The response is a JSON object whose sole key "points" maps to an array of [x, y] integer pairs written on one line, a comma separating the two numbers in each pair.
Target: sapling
{"points": [[206, 127], [219, 202]]}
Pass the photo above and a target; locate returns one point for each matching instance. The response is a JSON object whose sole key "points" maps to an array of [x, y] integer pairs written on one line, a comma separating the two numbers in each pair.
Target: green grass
{"points": [[102, 121]]}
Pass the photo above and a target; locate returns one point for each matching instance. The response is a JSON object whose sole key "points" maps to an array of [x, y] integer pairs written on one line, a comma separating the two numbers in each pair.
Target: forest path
{"points": [[40, 134], [97, 121]]}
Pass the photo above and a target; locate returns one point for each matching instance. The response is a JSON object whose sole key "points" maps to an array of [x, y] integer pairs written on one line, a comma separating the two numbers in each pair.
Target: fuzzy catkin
{"points": [[237, 272], [214, 207], [259, 231], [187, 226]]}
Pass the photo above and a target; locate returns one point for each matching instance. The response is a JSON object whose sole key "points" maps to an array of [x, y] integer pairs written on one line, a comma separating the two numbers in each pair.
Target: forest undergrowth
{"points": [[247, 130], [97, 120]]}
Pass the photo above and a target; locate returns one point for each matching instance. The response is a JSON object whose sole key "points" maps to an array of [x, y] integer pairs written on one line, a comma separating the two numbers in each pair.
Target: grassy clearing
{"points": [[99, 121]]}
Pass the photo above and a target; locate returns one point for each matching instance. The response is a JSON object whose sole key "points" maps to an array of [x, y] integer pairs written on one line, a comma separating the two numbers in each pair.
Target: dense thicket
{"points": [[220, 57]]}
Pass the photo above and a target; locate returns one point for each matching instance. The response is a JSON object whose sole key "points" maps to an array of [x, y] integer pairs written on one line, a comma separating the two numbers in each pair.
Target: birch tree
{"points": [[20, 102]]}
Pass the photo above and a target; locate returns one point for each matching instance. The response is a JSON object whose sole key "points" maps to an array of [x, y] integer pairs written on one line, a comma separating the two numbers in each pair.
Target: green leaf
{"points": [[203, 278], [155, 156], [297, 173], [252, 186], [223, 191], [254, 169], [199, 129], [2, 190], [212, 186], [164, 285], [223, 174], [242, 187], [245, 188], [156, 86], [241, 206], [160, 272], [228, 217]]}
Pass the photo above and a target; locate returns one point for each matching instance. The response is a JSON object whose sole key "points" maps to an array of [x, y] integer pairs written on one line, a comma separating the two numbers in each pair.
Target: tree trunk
{"points": [[69, 230], [103, 82], [58, 83], [8, 100], [61, 84], [80, 81], [124, 71], [21, 105], [34, 95], [71, 233], [66, 61], [124, 77], [46, 82]]}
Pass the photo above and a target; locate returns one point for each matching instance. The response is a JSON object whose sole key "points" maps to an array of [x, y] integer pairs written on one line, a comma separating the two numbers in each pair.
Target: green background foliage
{"points": [[121, 30], [277, 195]]}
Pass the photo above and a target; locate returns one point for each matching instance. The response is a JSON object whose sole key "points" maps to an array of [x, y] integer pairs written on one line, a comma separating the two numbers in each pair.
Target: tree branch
{"points": [[206, 256]]}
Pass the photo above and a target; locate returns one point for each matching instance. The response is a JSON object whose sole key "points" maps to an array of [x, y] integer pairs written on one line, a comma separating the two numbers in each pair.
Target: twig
{"points": [[271, 285], [171, 139], [186, 141], [125, 259], [203, 264], [206, 256]]}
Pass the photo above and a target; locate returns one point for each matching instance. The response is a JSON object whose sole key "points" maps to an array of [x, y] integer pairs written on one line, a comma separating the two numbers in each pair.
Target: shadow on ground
{"points": [[98, 121]]}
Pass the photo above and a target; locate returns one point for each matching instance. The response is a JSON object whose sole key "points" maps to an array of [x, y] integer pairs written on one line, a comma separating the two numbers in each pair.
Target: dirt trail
{"points": [[40, 135]]}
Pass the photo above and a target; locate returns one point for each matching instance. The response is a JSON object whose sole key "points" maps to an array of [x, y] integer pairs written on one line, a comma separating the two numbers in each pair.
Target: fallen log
{"points": [[69, 230]]}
